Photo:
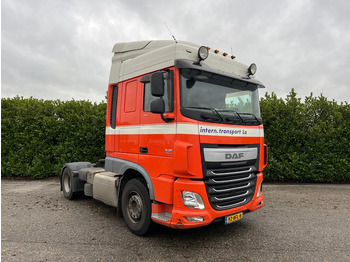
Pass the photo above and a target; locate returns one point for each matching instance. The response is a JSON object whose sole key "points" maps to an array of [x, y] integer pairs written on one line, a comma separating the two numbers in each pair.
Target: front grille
{"points": [[230, 185]]}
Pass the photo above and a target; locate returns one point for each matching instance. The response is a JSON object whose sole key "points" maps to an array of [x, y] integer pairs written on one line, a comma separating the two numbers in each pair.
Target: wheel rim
{"points": [[134, 208], [66, 182]]}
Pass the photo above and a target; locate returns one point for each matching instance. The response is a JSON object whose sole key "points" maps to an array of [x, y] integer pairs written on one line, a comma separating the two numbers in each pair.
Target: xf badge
{"points": [[168, 152]]}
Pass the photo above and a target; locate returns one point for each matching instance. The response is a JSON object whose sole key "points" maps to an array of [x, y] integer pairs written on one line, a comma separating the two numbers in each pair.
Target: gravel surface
{"points": [[298, 223]]}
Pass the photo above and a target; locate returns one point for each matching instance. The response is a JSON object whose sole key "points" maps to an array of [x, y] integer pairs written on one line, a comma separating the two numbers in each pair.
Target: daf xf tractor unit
{"points": [[184, 138]]}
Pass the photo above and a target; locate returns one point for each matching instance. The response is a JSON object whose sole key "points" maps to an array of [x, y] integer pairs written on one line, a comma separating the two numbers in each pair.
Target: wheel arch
{"points": [[129, 170], [73, 167]]}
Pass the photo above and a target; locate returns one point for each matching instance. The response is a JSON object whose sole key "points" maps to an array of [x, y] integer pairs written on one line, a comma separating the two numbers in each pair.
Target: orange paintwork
{"points": [[171, 172]]}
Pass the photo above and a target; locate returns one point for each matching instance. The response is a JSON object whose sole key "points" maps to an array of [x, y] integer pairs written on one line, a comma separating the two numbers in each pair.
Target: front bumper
{"points": [[177, 213]]}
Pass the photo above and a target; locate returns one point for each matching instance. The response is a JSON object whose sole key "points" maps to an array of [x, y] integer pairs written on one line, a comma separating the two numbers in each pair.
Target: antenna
{"points": [[170, 33]]}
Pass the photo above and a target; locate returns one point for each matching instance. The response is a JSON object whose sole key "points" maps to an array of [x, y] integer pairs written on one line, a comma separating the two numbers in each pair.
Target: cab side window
{"points": [[168, 95], [147, 97], [114, 106]]}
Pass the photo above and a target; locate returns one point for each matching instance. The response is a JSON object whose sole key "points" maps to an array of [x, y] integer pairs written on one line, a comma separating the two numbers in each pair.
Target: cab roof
{"points": [[133, 59]]}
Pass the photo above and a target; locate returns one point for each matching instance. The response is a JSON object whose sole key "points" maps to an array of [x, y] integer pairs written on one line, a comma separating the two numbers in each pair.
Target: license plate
{"points": [[232, 218]]}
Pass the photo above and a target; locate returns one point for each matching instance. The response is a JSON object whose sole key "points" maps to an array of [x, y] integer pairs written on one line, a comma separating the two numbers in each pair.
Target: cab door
{"points": [[129, 124], [157, 139], [156, 136]]}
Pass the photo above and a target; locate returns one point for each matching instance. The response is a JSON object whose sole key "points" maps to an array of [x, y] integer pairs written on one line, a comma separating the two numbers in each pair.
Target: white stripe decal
{"points": [[110, 131], [158, 129], [142, 129], [187, 129]]}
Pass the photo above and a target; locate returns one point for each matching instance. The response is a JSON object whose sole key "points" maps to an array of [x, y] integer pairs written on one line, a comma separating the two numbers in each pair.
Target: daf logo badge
{"points": [[234, 156]]}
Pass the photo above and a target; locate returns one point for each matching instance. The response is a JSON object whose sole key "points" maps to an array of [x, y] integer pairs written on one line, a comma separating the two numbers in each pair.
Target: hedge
{"points": [[309, 141], [39, 136]]}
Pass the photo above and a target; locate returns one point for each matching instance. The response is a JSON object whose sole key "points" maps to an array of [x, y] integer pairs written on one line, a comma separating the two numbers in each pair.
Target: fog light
{"points": [[203, 53], [192, 200], [195, 219], [162, 216], [259, 190]]}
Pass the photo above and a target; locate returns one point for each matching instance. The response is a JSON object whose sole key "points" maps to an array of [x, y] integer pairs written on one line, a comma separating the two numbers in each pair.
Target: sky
{"points": [[60, 49]]}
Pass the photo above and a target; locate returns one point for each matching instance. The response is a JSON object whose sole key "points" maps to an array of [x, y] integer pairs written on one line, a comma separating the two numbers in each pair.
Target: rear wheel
{"points": [[67, 180], [136, 207]]}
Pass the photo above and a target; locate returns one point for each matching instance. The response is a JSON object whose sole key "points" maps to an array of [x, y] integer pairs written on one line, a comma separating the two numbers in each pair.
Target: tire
{"points": [[67, 180], [136, 207]]}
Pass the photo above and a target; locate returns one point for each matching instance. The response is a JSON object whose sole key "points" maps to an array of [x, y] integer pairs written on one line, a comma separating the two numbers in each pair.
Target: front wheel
{"points": [[136, 207]]}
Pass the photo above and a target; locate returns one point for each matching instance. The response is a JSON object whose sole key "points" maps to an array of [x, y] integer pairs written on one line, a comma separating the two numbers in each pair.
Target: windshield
{"points": [[215, 98]]}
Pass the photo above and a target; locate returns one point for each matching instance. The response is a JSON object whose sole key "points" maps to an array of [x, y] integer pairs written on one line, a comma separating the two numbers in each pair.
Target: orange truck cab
{"points": [[184, 138]]}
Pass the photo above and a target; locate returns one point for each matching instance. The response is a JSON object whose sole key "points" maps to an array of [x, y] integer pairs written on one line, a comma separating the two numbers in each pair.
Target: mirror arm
{"points": [[166, 120], [167, 117]]}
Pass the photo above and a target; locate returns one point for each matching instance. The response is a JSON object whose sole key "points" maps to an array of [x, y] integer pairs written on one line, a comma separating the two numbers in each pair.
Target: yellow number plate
{"points": [[233, 218]]}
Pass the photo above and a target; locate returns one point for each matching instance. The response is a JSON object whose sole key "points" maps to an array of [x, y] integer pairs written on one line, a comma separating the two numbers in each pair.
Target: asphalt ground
{"points": [[297, 223]]}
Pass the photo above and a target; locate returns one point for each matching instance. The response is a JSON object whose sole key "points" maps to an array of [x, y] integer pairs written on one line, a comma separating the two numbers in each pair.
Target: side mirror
{"points": [[158, 106], [157, 84]]}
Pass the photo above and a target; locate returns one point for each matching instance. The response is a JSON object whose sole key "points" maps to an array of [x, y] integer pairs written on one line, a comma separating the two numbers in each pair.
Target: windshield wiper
{"points": [[206, 116], [240, 115], [232, 111], [251, 114]]}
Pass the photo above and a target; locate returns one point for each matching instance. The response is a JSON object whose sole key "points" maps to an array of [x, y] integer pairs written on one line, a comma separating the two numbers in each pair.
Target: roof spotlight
{"points": [[252, 69], [203, 53]]}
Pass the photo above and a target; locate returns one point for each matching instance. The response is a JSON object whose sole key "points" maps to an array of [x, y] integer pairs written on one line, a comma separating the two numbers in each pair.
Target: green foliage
{"points": [[308, 141], [38, 136]]}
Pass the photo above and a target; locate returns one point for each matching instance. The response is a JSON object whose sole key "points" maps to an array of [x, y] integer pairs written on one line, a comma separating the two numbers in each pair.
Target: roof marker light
{"points": [[224, 54], [233, 57], [216, 51]]}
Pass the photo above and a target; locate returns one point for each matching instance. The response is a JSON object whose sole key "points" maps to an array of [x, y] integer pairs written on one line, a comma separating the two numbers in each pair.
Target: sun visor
{"points": [[184, 63]]}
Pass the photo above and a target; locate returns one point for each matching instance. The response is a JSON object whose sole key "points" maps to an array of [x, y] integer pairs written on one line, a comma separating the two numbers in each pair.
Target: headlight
{"points": [[192, 200]]}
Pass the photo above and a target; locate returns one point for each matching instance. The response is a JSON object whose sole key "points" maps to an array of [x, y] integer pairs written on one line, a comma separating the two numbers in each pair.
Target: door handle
{"points": [[144, 150]]}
